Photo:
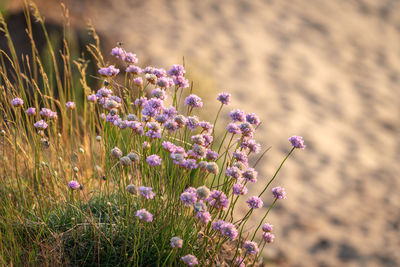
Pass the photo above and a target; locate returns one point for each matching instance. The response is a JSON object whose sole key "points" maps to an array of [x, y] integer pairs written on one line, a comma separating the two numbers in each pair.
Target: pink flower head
{"points": [[146, 192], [268, 237], [74, 185], [40, 125], [224, 98], [254, 202], [144, 215], [267, 227], [279, 192], [109, 71], [17, 102], [70, 105], [176, 242], [193, 101], [31, 111], [251, 247], [190, 260], [297, 142], [237, 115], [239, 189], [92, 98]]}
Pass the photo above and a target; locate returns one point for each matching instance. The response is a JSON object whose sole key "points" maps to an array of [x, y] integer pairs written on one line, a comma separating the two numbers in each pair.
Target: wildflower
{"points": [[144, 215], [103, 92], [203, 165], [189, 196], [192, 122], [118, 52], [159, 93], [140, 101], [170, 112], [233, 172], [207, 139], [133, 157], [47, 113], [240, 262], [250, 175], [297, 142], [200, 206], [125, 161], [268, 237], [252, 118], [199, 151], [74, 185], [251, 144], [190, 260], [146, 192], [180, 81], [31, 111], [240, 156], [267, 227], [171, 126], [180, 120], [17, 102], [224, 98], [135, 70], [116, 152], [279, 192], [237, 115], [203, 216], [176, 70], [218, 199], [212, 155], [239, 165], [251, 247], [229, 230], [70, 105], [41, 125], [109, 71], [165, 82], [153, 160], [130, 58], [233, 128], [207, 126], [148, 70], [138, 81], [239, 189], [151, 78], [217, 225], [193, 101], [132, 189], [176, 242], [146, 146], [212, 167], [189, 164], [159, 72], [203, 192], [255, 202], [246, 129]]}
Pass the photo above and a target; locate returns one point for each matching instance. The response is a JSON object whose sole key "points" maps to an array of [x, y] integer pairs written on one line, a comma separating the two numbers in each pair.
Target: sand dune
{"points": [[326, 70]]}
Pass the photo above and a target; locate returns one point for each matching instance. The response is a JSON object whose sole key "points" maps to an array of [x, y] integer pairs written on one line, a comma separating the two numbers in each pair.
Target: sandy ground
{"points": [[326, 70]]}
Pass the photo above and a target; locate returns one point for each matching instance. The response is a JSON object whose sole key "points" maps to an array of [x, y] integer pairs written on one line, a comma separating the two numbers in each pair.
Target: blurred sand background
{"points": [[325, 70]]}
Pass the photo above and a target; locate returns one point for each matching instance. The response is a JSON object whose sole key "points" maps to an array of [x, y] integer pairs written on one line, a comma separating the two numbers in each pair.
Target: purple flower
{"points": [[135, 70], [176, 242], [229, 230], [146, 192], [188, 164], [217, 225], [239, 189], [233, 128], [169, 147], [254, 202], [148, 70], [103, 92], [268, 237], [193, 101], [240, 156], [47, 113], [153, 160], [130, 58], [297, 141], [240, 262], [109, 71], [203, 216], [159, 72], [31, 111], [212, 155], [189, 197], [237, 115], [250, 175], [252, 118], [190, 260], [118, 52], [170, 112], [138, 81], [267, 227], [17, 102], [233, 172], [251, 247], [246, 129], [40, 125], [74, 185], [206, 126], [251, 144], [171, 126], [70, 105], [192, 122], [165, 82], [176, 70], [279, 192], [144, 215], [159, 93], [92, 98], [224, 98], [140, 101], [180, 81], [218, 199], [208, 138]]}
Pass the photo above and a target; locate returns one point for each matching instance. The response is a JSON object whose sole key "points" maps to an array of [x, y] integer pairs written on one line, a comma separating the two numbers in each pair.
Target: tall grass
{"points": [[126, 175]]}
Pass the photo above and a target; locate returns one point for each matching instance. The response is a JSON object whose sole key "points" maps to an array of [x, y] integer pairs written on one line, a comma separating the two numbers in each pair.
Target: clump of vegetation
{"points": [[126, 174]]}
